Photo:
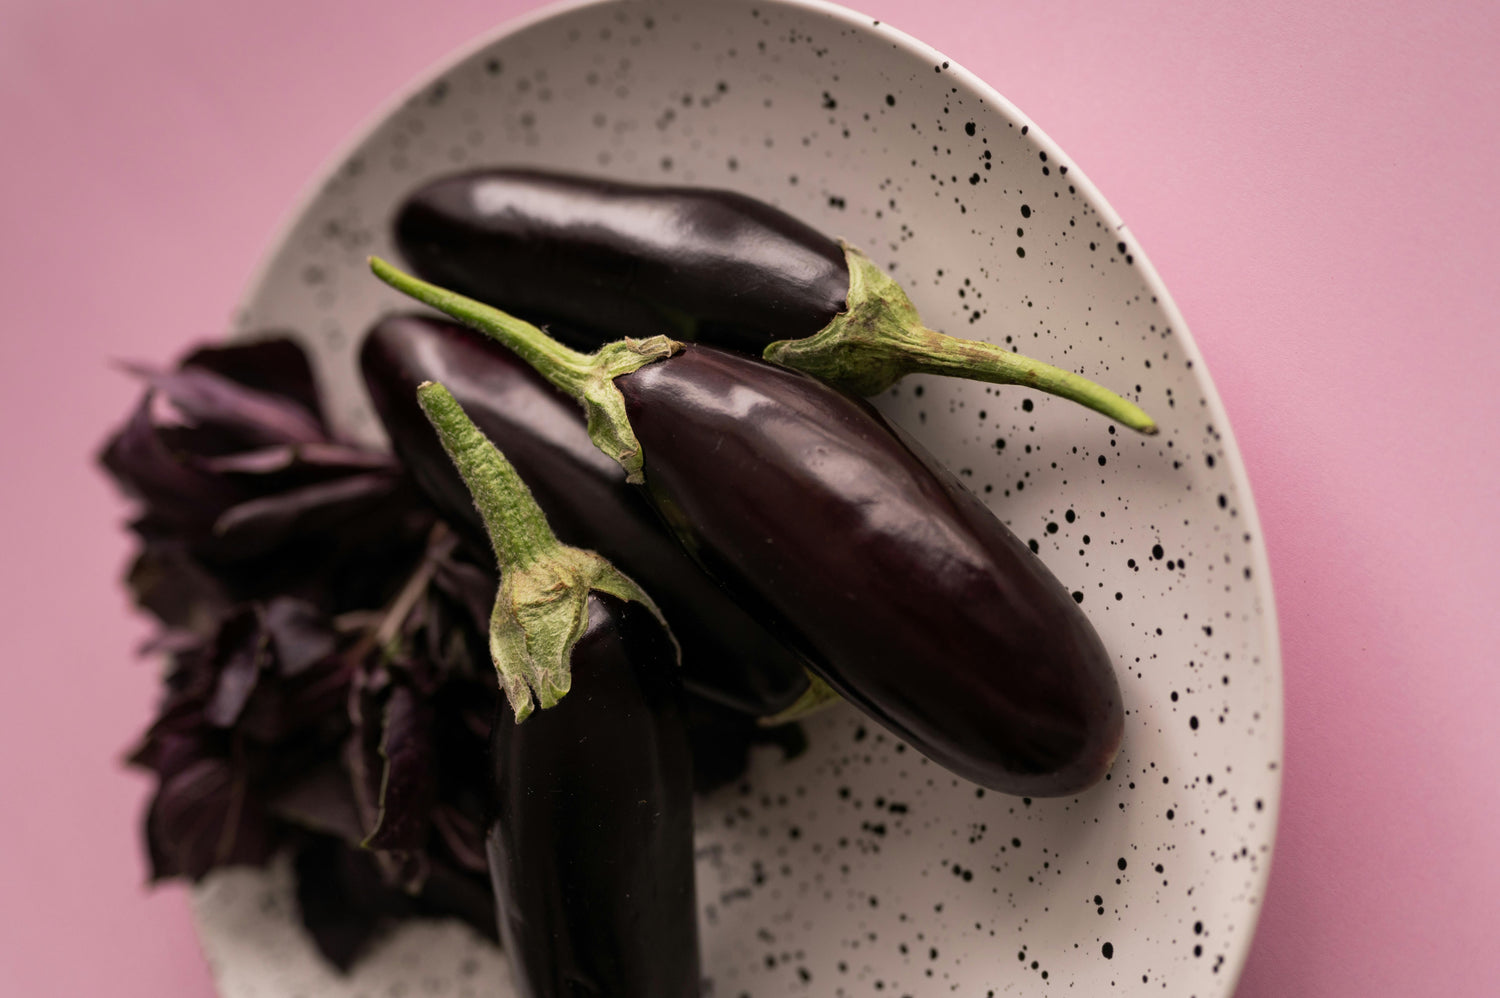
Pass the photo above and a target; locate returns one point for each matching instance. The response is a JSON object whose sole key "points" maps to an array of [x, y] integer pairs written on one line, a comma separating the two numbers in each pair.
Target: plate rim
{"points": [[1264, 590]]}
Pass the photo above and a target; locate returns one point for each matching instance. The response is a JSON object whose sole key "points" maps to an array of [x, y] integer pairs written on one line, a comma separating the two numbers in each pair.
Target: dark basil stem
{"points": [[590, 840], [906, 594], [607, 260]]}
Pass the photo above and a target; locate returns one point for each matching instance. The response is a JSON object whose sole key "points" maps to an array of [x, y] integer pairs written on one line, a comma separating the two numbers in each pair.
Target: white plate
{"points": [[860, 868]]}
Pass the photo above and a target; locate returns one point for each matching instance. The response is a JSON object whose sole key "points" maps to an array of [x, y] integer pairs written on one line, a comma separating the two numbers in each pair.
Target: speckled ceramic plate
{"points": [[861, 869]]}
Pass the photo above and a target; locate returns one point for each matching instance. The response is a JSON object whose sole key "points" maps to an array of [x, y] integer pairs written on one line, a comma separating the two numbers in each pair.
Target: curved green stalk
{"points": [[587, 377], [880, 339], [541, 609]]}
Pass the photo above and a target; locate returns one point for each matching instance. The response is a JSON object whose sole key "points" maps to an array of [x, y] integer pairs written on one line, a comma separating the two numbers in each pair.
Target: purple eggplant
{"points": [[727, 655], [908, 596], [590, 842], [591, 846], [605, 260]]}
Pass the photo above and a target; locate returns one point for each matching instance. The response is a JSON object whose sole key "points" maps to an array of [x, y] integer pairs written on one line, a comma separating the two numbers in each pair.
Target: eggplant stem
{"points": [[977, 360], [563, 366], [542, 606], [516, 525], [586, 377], [879, 339]]}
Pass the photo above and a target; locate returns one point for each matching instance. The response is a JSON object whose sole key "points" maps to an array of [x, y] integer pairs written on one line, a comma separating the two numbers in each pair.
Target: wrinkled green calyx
{"points": [[879, 339], [541, 610], [587, 377]]}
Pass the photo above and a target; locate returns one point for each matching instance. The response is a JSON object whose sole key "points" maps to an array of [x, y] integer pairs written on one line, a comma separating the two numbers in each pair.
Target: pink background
{"points": [[1314, 181]]}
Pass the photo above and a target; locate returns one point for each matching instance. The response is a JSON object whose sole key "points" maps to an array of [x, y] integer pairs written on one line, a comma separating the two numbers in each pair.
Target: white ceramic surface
{"points": [[861, 869]]}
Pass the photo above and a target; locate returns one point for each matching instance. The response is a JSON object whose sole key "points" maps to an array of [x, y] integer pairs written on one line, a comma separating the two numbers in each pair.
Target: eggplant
{"points": [[603, 260], [908, 596], [590, 842], [591, 846], [728, 656]]}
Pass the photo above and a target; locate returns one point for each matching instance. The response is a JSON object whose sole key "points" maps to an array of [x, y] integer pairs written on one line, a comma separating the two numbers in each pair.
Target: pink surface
{"points": [[1313, 181]]}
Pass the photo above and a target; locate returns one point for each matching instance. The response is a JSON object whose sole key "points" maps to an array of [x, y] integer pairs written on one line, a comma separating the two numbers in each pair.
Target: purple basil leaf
{"points": [[147, 469], [446, 641], [240, 655], [408, 785], [344, 902], [470, 586], [165, 580], [361, 753], [275, 365], [463, 836], [192, 675], [169, 642], [300, 634], [194, 444], [369, 694], [302, 705], [321, 801], [173, 743], [204, 817], [209, 399], [283, 457], [260, 525]]}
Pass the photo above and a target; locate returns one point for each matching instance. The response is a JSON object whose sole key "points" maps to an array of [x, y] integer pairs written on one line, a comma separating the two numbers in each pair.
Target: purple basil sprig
{"points": [[327, 690], [313, 614]]}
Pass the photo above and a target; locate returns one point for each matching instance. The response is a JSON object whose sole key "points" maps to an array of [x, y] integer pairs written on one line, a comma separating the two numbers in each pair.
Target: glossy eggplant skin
{"points": [[727, 655], [910, 598], [607, 259], [591, 843]]}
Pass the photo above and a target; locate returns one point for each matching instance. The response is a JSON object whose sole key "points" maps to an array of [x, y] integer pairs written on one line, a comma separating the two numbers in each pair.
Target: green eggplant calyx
{"points": [[541, 609], [879, 339], [541, 612]]}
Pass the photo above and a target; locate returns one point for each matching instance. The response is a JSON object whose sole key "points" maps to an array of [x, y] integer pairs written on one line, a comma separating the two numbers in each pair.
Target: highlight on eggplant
{"points": [[605, 260], [907, 595]]}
